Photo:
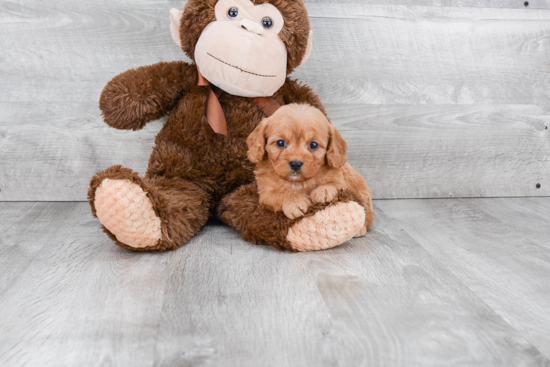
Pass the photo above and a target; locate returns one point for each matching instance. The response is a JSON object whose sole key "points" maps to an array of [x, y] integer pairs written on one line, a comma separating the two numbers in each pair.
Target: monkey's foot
{"points": [[125, 210], [327, 228], [362, 232]]}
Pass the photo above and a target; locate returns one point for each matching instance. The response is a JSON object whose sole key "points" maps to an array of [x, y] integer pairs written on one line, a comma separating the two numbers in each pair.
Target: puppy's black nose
{"points": [[296, 165]]}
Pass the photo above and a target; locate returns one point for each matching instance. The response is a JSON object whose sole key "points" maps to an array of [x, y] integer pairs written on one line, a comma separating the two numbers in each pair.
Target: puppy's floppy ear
{"points": [[337, 148], [256, 142]]}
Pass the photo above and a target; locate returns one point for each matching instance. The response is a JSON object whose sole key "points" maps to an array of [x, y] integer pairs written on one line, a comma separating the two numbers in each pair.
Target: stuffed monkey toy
{"points": [[243, 51]]}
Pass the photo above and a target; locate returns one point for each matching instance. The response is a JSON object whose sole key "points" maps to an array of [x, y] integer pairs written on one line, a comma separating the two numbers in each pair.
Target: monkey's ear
{"points": [[256, 142], [308, 48], [337, 148], [175, 21]]}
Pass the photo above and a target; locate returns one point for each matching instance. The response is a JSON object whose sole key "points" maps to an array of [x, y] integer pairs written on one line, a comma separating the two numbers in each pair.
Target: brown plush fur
{"points": [[324, 171], [181, 204], [295, 33], [259, 224], [193, 172]]}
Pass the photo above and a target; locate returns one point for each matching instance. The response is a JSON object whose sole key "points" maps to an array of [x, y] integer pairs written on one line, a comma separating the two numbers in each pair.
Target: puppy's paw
{"points": [[296, 207], [323, 194]]}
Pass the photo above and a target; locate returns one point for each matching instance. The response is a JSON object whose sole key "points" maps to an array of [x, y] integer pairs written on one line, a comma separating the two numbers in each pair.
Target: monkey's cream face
{"points": [[241, 52]]}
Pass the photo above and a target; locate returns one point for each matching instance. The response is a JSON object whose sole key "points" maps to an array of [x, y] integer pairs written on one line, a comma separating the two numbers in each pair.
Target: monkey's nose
{"points": [[296, 165], [252, 26]]}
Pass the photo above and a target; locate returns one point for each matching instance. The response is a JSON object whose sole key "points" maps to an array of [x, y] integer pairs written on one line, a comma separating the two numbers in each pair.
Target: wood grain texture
{"points": [[490, 246], [448, 150], [536, 214], [69, 297], [439, 99], [512, 4], [402, 151]]}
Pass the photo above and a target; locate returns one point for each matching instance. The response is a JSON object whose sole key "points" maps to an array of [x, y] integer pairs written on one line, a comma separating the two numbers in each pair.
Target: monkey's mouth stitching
{"points": [[244, 71]]}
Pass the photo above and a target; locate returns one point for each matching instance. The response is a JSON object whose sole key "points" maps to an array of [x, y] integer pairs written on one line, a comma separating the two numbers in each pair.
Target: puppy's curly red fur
{"points": [[301, 159]]}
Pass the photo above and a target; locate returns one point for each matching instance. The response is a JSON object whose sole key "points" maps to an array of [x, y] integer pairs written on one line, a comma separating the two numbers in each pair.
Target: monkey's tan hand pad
{"points": [[328, 228], [126, 211]]}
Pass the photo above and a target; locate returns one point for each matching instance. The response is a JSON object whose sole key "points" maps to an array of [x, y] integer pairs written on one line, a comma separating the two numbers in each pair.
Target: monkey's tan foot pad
{"points": [[328, 228], [126, 211], [362, 232]]}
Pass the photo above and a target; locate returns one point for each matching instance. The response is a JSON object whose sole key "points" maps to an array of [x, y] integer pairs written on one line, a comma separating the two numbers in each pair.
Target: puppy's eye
{"points": [[313, 145], [281, 143], [233, 12]]}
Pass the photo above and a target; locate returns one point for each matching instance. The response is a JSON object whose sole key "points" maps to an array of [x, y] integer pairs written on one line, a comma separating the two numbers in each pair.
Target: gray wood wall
{"points": [[446, 98]]}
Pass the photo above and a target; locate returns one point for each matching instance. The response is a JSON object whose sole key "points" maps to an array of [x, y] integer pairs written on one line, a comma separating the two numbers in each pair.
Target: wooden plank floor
{"points": [[441, 282]]}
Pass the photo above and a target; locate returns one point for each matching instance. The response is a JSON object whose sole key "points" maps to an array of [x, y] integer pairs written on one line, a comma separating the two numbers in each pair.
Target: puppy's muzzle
{"points": [[296, 165]]}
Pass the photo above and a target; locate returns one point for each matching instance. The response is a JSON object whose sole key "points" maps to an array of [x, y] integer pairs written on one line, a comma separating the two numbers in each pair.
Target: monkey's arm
{"points": [[296, 92], [137, 96]]}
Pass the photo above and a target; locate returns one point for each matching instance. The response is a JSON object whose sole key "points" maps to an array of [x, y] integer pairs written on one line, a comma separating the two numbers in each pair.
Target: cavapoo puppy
{"points": [[301, 158]]}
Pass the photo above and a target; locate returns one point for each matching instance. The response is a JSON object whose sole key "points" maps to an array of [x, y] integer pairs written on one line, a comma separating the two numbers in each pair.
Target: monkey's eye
{"points": [[233, 12], [281, 143], [267, 22], [313, 145]]}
